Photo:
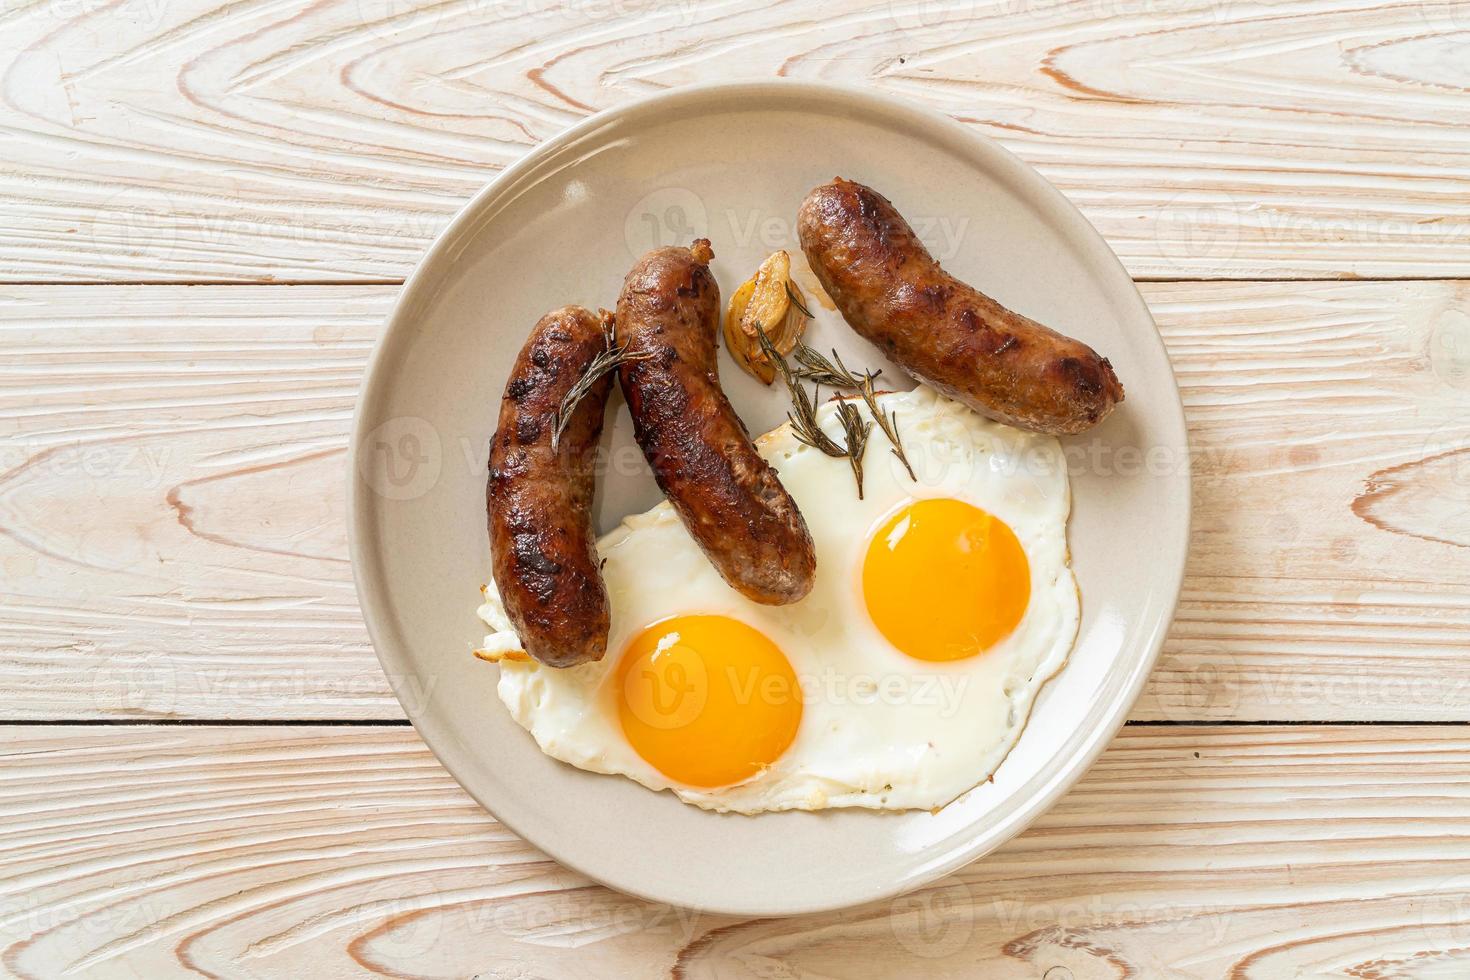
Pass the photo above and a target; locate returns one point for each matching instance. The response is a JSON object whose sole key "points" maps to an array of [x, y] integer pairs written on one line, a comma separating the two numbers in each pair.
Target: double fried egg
{"points": [[942, 603]]}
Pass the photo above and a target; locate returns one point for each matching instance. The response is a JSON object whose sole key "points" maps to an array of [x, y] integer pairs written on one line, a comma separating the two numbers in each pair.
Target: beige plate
{"points": [[732, 162]]}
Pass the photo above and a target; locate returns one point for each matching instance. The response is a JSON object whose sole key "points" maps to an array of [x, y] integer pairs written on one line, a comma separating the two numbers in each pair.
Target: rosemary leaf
{"points": [[791, 295]]}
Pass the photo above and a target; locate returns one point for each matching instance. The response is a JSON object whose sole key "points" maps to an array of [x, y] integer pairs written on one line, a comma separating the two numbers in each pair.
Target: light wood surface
{"points": [[197, 140], [175, 543], [172, 539], [1195, 852]]}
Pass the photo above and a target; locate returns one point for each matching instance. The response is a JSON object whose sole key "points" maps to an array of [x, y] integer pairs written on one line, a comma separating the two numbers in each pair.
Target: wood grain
{"points": [[172, 526], [1205, 852], [1329, 568], [171, 502], [198, 140]]}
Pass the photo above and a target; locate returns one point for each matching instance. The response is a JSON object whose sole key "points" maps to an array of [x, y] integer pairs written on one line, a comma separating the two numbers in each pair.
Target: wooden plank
{"points": [[195, 140], [173, 531], [1194, 852], [1328, 576]]}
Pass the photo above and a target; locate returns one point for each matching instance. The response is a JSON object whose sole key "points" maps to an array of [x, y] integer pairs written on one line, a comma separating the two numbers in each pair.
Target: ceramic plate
{"points": [[732, 163]]}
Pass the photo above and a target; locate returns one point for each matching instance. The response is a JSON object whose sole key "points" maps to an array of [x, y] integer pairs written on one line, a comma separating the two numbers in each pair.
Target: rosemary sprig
{"points": [[856, 431], [803, 416], [816, 367], [887, 421], [604, 362], [834, 374], [772, 354], [804, 424]]}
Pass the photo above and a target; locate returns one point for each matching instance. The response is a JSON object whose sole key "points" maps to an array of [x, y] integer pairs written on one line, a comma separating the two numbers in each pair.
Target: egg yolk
{"points": [[707, 700], [945, 580]]}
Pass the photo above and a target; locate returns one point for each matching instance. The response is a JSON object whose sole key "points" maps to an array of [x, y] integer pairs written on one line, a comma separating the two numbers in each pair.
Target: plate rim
{"points": [[366, 579]]}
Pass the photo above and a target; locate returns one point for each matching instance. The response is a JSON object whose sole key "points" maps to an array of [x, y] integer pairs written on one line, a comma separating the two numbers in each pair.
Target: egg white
{"points": [[879, 729]]}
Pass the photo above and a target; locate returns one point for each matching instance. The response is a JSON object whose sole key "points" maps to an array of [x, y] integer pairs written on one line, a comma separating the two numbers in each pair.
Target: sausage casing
{"points": [[890, 290], [539, 501], [729, 498]]}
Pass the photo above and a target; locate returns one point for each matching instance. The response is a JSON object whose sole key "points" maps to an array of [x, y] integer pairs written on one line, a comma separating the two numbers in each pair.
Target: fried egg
{"points": [[942, 603]]}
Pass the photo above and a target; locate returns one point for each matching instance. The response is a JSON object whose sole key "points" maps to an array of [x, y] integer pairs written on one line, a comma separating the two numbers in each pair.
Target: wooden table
{"points": [[208, 208]]}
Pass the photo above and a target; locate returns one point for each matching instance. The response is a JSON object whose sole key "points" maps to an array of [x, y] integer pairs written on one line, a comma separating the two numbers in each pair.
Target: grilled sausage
{"points": [[539, 500], [891, 290], [727, 495]]}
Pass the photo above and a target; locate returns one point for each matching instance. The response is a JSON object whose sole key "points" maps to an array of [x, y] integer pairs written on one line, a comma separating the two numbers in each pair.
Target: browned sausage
{"points": [[891, 290], [539, 501], [728, 497]]}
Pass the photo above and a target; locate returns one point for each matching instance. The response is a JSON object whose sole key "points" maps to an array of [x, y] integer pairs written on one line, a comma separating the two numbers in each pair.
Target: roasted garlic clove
{"points": [[772, 301]]}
